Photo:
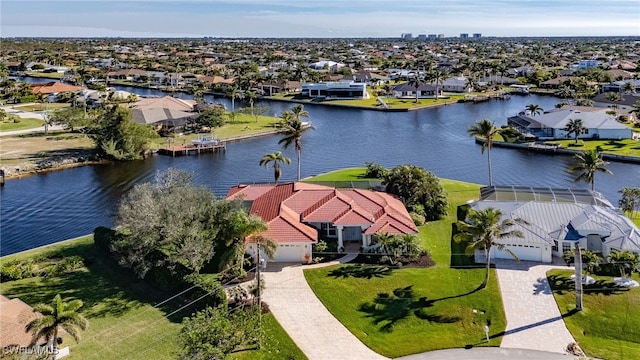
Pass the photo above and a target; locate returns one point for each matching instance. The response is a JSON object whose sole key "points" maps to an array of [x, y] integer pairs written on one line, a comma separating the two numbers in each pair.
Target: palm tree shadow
{"points": [[561, 284], [361, 271], [387, 309]]}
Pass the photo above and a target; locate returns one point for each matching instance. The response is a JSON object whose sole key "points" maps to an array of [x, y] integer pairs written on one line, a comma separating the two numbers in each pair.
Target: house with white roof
{"points": [[555, 220], [335, 90], [550, 125]]}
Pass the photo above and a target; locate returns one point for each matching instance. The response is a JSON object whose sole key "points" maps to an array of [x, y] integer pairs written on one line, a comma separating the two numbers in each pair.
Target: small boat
{"points": [[204, 141]]}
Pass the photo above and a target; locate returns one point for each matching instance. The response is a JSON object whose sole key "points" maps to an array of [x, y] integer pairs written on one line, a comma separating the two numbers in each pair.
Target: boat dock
{"points": [[192, 149]]}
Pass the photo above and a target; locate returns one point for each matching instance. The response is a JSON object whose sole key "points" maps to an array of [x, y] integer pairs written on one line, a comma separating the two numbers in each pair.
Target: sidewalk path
{"points": [[533, 319], [486, 353], [311, 326]]}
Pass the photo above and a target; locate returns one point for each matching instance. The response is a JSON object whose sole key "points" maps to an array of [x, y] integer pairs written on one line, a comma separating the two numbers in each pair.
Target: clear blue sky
{"points": [[321, 18]]}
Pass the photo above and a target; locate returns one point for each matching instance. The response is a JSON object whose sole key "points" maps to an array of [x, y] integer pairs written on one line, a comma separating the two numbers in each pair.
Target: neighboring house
{"points": [[498, 79], [555, 220], [458, 84], [619, 74], [53, 88], [587, 64], [551, 124], [299, 214], [625, 102], [618, 86], [554, 83], [166, 112], [332, 66], [408, 91], [128, 74], [335, 90]]}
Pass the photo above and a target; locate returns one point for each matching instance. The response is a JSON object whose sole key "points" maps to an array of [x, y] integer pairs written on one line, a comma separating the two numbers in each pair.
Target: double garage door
{"points": [[290, 253], [528, 253]]}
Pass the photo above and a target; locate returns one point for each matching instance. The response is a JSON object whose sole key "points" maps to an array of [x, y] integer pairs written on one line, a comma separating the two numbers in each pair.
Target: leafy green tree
{"points": [[277, 159], [292, 135], [588, 163], [575, 127], [419, 190], [213, 117], [483, 230], [626, 261], [57, 315], [119, 138], [71, 118], [486, 130], [375, 171], [214, 333]]}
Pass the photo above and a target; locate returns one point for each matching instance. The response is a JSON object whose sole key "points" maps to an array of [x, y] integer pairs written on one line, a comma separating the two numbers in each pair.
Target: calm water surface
{"points": [[47, 208]]}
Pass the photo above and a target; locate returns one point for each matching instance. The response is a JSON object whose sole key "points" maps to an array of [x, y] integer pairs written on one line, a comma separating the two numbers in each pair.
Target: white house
{"points": [[335, 90], [551, 124], [555, 220], [458, 84]]}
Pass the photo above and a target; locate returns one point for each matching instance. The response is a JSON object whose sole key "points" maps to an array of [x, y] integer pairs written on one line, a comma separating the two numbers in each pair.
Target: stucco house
{"points": [[298, 214], [550, 125], [555, 220], [409, 91], [458, 84], [335, 90]]}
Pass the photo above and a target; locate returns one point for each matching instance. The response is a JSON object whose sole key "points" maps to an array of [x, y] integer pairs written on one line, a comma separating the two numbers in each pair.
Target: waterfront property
{"points": [[409, 91], [555, 220], [551, 125], [298, 214], [335, 90]]}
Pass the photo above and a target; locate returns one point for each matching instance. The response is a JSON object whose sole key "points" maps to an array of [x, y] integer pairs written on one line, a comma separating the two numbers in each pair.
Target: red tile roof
{"points": [[53, 87], [287, 208]]}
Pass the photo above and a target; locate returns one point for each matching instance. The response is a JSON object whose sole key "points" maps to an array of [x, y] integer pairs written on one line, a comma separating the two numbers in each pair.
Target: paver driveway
{"points": [[533, 319]]}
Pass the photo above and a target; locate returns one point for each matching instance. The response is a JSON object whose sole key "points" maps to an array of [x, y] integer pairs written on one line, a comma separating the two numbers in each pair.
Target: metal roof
{"points": [[544, 194]]}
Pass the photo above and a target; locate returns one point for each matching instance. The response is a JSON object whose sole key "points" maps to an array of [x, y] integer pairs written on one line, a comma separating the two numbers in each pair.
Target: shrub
{"points": [[16, 270], [418, 188], [375, 171], [417, 218], [17, 120]]}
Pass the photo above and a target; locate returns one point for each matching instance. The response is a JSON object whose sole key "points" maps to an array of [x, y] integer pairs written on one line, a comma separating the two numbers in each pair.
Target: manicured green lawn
{"points": [[617, 147], [49, 75], [608, 327], [412, 310], [372, 102], [350, 174], [123, 322], [43, 107], [28, 123]]}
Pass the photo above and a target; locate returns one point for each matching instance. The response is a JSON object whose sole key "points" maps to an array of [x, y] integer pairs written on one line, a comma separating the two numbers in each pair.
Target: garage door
{"points": [[524, 252], [290, 253]]}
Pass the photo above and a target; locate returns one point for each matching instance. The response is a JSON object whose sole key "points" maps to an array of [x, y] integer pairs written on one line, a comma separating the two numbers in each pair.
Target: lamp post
{"points": [[578, 262]]}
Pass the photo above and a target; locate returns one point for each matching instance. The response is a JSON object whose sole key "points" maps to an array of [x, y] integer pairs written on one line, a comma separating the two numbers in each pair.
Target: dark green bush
{"points": [[375, 171]]}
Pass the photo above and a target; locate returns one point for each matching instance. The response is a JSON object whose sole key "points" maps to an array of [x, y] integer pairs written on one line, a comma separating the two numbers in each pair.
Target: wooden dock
{"points": [[188, 149]]}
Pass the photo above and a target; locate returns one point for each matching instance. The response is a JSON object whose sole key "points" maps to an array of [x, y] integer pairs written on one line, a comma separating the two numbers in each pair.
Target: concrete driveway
{"points": [[533, 319]]}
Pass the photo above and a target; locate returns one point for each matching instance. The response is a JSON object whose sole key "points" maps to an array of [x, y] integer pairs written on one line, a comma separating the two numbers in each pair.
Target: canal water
{"points": [[47, 208]]}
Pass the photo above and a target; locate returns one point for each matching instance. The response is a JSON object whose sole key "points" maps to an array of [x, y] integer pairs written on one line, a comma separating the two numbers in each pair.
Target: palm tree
{"points": [[575, 127], [485, 130], [415, 81], [628, 87], [534, 109], [435, 75], [234, 93], [298, 112], [292, 135], [251, 96], [276, 158], [482, 229], [588, 163], [58, 314]]}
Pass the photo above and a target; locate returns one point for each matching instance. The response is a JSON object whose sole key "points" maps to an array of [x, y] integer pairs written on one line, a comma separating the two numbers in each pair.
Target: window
{"points": [[329, 230], [555, 245], [566, 246]]}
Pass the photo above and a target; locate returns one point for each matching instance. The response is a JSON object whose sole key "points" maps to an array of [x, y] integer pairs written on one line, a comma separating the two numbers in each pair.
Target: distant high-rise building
{"points": [[464, 36], [407, 36], [422, 37], [433, 36], [477, 35], [440, 36]]}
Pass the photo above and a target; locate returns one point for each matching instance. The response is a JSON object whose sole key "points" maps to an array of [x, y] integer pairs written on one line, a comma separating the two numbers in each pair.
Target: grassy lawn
{"points": [[43, 107], [123, 322], [31, 148], [405, 311], [350, 174], [49, 75], [28, 123], [608, 327], [617, 147], [372, 102]]}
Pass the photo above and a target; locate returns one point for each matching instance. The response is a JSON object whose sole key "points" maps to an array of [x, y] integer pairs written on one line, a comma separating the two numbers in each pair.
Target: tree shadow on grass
{"points": [[561, 284], [361, 271], [387, 309]]}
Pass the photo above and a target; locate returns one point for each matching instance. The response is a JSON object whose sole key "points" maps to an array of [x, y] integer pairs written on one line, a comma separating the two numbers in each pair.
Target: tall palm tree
{"points": [[485, 130], [298, 112], [588, 163], [415, 82], [292, 135], [483, 229], [58, 314], [435, 75], [234, 93], [575, 127], [534, 109], [276, 158]]}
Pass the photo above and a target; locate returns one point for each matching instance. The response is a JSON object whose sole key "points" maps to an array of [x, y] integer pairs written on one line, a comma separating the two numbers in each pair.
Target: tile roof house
{"points": [[298, 213], [165, 111], [555, 220], [53, 87]]}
